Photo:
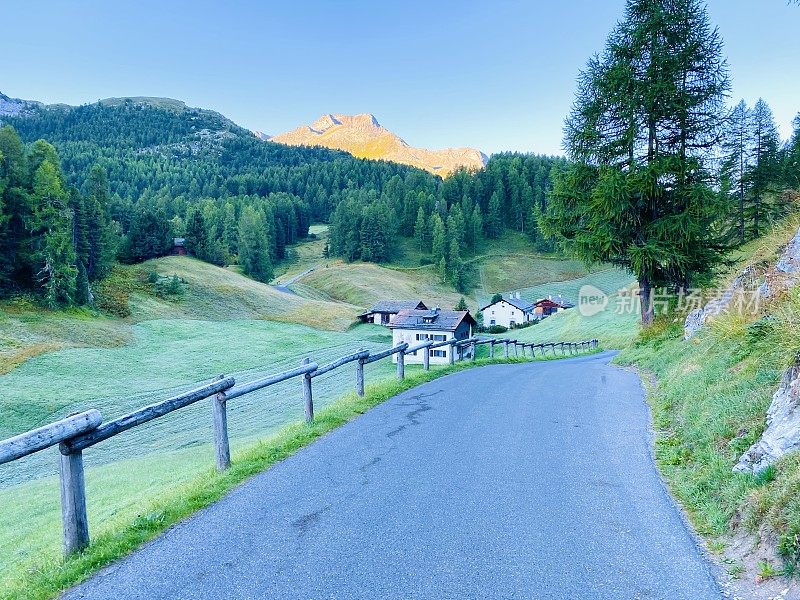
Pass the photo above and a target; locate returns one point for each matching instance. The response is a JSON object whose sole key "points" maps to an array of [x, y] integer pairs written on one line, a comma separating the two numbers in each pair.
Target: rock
{"points": [[786, 273], [782, 434], [698, 317]]}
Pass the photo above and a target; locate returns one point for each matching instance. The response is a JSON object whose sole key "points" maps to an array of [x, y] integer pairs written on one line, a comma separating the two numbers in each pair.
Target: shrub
{"points": [[496, 329]]}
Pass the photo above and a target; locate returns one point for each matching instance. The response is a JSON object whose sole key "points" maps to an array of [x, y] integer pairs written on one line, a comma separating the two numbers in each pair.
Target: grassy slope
{"points": [[709, 398]]}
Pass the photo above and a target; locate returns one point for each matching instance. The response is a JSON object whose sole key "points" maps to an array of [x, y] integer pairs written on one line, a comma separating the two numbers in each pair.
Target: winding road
{"points": [[526, 481]]}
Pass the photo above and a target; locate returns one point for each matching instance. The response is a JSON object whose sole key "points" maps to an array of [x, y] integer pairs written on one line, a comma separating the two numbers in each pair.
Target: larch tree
{"points": [[645, 123]]}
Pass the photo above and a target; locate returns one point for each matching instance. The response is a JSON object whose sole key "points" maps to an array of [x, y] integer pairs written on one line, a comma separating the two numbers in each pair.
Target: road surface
{"points": [[524, 481]]}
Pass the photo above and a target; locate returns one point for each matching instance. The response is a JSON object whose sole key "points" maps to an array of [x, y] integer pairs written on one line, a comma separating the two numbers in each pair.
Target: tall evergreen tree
{"points": [[102, 241], [645, 121], [254, 246], [736, 164], [765, 168]]}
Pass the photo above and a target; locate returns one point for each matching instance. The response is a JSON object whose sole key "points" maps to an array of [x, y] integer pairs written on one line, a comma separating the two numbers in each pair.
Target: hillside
{"points": [[362, 136], [162, 147]]}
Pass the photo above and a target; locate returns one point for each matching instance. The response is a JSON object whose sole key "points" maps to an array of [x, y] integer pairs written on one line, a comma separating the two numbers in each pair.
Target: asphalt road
{"points": [[510, 481]]}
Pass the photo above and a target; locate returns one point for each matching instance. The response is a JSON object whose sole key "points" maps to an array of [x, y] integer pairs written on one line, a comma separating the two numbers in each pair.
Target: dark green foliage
{"points": [[462, 304], [254, 246], [150, 235], [496, 329], [496, 298]]}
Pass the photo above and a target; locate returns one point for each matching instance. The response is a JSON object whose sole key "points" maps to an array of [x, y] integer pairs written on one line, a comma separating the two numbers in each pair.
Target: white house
{"points": [[415, 326], [508, 312]]}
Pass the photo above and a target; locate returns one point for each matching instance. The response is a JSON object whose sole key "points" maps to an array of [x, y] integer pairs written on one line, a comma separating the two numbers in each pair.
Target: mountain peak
{"points": [[363, 136]]}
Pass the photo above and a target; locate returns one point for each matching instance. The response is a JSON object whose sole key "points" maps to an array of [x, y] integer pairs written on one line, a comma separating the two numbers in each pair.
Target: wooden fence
{"points": [[80, 431]]}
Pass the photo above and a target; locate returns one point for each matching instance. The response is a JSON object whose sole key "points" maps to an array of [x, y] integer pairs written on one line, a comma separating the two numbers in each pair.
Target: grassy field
{"points": [[209, 293], [165, 357], [709, 398]]}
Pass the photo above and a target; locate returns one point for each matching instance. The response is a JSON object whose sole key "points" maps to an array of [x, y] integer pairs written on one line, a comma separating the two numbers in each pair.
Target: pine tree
{"points": [[455, 266], [791, 166], [439, 239], [736, 164], [254, 246], [50, 223], [764, 171], [196, 234], [477, 226], [494, 218], [462, 304], [421, 230], [645, 122], [102, 241]]}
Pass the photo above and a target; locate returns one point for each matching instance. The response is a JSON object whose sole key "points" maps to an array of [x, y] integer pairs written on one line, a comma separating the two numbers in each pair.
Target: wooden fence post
{"points": [[360, 377], [219, 413], [505, 348], [451, 352], [491, 349], [426, 359], [308, 400], [401, 364], [474, 351], [73, 503]]}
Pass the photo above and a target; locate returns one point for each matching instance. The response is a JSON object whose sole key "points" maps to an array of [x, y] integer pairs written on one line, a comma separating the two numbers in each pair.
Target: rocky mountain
{"points": [[362, 136]]}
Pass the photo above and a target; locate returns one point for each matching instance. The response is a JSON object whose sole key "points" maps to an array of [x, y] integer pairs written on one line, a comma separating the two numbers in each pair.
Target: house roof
{"points": [[519, 303], [395, 306], [557, 300], [439, 320]]}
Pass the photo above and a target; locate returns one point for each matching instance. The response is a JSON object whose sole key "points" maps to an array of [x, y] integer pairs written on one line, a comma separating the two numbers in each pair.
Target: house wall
{"points": [[502, 313], [440, 355]]}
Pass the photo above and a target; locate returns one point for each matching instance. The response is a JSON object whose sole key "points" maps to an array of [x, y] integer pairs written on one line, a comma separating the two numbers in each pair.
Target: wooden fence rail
{"points": [[78, 432]]}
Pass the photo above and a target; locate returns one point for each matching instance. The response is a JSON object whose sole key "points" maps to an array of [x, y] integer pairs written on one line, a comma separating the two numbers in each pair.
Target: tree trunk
{"points": [[645, 301]]}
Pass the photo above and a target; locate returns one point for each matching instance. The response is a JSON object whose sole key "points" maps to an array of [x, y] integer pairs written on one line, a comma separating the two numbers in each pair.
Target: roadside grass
{"points": [[709, 397], [47, 576]]}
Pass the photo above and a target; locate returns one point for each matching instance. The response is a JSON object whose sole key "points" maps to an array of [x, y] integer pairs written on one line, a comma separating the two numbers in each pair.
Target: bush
{"points": [[496, 329]]}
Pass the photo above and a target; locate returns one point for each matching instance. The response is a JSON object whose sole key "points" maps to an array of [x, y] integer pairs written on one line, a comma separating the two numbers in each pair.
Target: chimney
{"points": [[436, 310]]}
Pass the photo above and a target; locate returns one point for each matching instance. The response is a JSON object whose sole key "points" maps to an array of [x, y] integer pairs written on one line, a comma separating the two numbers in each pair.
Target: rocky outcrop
{"points": [[786, 273], [782, 434], [698, 317], [363, 136]]}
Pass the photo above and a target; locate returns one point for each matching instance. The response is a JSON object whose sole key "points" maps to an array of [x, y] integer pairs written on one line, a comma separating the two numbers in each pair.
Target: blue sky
{"points": [[496, 75]]}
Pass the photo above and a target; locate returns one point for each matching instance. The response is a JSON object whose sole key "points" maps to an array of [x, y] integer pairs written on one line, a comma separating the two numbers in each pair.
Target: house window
{"points": [[439, 338], [492, 322], [438, 353], [512, 323]]}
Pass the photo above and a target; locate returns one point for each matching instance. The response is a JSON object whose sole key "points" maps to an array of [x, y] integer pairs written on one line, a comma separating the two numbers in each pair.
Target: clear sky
{"points": [[492, 74]]}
